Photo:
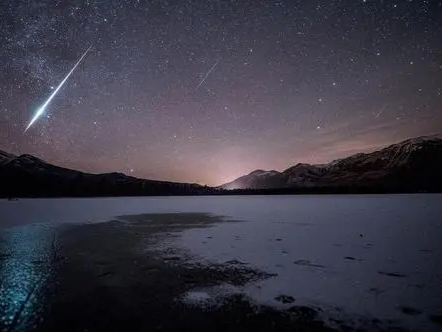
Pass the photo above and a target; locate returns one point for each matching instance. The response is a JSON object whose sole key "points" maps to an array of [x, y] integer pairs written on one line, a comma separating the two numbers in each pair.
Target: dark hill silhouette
{"points": [[414, 165]]}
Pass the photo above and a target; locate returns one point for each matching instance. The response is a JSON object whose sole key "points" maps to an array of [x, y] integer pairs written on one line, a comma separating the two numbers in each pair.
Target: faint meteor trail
{"points": [[41, 110], [384, 107], [208, 73]]}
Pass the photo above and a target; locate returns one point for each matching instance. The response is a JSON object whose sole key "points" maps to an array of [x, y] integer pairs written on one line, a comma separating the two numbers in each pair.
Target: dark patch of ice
{"points": [[392, 274], [409, 310], [306, 262], [286, 299]]}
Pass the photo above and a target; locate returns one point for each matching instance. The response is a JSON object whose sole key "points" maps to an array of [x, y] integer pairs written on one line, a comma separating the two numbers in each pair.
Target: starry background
{"points": [[291, 81]]}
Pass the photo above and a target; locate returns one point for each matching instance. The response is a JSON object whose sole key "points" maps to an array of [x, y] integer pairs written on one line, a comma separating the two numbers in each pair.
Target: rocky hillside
{"points": [[414, 164]]}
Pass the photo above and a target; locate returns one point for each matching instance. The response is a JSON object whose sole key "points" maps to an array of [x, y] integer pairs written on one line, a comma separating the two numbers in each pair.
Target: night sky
{"points": [[206, 91]]}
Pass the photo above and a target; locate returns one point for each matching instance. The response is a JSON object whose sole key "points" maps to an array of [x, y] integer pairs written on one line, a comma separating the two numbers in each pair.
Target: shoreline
{"points": [[411, 193]]}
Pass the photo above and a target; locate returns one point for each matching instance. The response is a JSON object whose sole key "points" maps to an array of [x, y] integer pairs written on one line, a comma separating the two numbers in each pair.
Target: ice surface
{"points": [[368, 255], [196, 297], [209, 297]]}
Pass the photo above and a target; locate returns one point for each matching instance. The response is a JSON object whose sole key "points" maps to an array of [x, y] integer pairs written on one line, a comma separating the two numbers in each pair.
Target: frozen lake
{"points": [[367, 256]]}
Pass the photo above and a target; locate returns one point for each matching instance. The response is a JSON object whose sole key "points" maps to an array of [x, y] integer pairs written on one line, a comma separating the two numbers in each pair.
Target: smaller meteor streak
{"points": [[208, 73], [384, 107], [41, 110]]}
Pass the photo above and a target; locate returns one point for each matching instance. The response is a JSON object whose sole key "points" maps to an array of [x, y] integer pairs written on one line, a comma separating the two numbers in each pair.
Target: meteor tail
{"points": [[41, 110], [208, 73]]}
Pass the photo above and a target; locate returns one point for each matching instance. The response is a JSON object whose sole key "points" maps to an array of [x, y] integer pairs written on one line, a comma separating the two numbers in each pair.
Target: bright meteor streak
{"points": [[41, 110]]}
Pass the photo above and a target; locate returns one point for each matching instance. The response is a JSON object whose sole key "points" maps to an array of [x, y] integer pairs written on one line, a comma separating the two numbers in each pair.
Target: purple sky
{"points": [[294, 81]]}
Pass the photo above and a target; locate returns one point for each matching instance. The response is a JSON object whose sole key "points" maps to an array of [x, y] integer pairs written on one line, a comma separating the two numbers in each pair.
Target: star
{"points": [[311, 72]]}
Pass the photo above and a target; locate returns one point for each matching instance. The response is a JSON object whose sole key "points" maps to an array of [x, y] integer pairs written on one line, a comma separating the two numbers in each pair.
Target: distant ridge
{"points": [[414, 164], [29, 176]]}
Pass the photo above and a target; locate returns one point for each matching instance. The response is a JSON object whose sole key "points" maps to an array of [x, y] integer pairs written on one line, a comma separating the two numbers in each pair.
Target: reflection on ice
{"points": [[25, 258]]}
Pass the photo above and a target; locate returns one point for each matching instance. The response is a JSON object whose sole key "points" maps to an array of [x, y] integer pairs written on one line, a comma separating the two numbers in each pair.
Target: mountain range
{"points": [[410, 166], [29, 176]]}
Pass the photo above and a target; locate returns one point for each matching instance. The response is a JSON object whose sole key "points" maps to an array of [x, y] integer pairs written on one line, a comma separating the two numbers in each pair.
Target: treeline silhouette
{"points": [[32, 187]]}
